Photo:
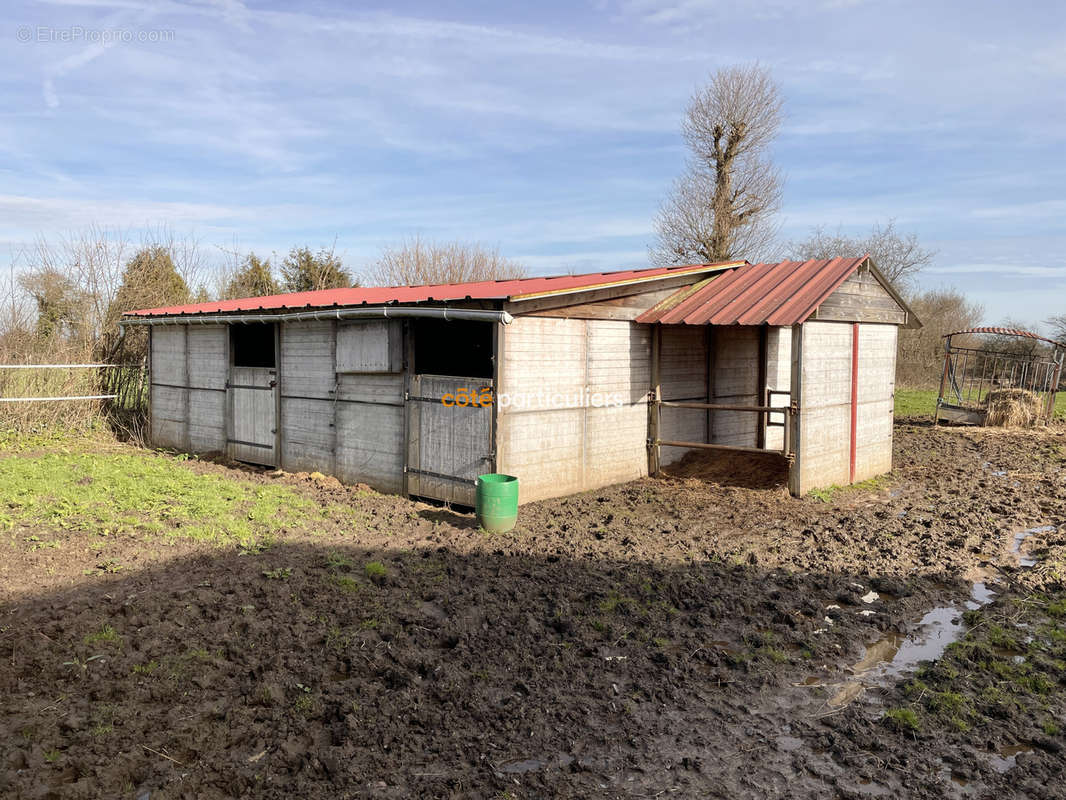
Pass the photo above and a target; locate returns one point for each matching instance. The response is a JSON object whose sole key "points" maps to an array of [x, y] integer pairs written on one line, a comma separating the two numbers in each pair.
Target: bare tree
{"points": [[1057, 324], [921, 351], [899, 256], [416, 262], [722, 207]]}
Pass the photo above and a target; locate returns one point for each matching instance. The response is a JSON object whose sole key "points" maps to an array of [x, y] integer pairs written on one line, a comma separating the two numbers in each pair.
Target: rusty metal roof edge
{"points": [[743, 280], [998, 331], [755, 313], [826, 285]]}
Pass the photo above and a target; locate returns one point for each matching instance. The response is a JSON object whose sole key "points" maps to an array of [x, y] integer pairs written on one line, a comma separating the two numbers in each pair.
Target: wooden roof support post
{"points": [[712, 344], [760, 380], [654, 398]]}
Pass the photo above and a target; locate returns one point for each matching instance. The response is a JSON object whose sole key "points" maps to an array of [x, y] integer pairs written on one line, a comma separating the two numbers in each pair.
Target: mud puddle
{"points": [[1007, 757], [896, 654], [1025, 560]]}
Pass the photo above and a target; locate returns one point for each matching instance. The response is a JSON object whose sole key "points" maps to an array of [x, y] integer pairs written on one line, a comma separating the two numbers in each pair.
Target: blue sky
{"points": [[550, 129]]}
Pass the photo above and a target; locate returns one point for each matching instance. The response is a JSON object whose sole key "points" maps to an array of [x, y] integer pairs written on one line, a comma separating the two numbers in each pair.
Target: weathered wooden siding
{"points": [[619, 375], [822, 382], [683, 376], [370, 430], [308, 381], [169, 393], [542, 445], [545, 433], [208, 366], [620, 308], [876, 390], [253, 409], [736, 382], [861, 298], [374, 346], [448, 445]]}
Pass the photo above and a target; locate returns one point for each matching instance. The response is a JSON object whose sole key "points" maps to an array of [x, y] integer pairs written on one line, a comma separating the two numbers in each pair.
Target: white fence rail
{"points": [[67, 398]]}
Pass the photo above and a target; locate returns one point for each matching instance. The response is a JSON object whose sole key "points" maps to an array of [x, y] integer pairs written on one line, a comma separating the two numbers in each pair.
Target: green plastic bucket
{"points": [[496, 502]]}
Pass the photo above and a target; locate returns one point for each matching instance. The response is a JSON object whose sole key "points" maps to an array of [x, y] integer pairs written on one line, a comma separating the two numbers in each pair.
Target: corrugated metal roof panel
{"points": [[1007, 332], [781, 293], [518, 289]]}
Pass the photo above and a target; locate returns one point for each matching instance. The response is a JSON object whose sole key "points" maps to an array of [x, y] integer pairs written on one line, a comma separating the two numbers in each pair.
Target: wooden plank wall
{"points": [[736, 382], [876, 392], [453, 441], [347, 424], [308, 386], [683, 364], [824, 390], [370, 443], [169, 395], [208, 366], [619, 367], [547, 366], [253, 414], [189, 387], [861, 298]]}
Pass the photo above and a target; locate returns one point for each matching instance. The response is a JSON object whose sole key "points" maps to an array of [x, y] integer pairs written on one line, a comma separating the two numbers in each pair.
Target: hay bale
{"points": [[1012, 408]]}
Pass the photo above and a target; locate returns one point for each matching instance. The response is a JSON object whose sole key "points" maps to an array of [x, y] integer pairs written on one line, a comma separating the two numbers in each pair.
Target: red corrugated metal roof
{"points": [[782, 293], [483, 290]]}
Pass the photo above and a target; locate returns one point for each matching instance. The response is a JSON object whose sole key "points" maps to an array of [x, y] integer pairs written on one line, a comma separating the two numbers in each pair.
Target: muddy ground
{"points": [[667, 637]]}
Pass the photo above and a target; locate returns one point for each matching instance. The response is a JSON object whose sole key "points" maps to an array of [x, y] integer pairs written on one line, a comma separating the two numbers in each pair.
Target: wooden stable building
{"points": [[570, 383]]}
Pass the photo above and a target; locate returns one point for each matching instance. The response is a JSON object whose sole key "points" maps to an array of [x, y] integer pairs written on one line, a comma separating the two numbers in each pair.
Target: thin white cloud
{"points": [[1038, 209], [1002, 269]]}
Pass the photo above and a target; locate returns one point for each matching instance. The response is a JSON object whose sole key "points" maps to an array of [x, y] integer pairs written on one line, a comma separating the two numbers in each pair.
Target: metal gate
{"points": [[449, 437], [253, 398]]}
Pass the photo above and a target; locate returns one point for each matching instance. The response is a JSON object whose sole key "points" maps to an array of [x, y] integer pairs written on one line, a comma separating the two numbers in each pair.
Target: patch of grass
{"points": [[146, 669], [774, 654], [827, 493], [278, 574], [1007, 667], [345, 583], [902, 719], [144, 492], [51, 756], [376, 571], [616, 603], [922, 403], [338, 561], [915, 402], [947, 703], [105, 634], [823, 495]]}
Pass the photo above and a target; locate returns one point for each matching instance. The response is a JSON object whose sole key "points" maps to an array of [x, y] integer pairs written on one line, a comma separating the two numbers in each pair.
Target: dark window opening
{"points": [[252, 344], [459, 348]]}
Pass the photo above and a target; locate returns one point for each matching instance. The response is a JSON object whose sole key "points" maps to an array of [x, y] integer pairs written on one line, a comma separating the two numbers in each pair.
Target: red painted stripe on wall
{"points": [[854, 395]]}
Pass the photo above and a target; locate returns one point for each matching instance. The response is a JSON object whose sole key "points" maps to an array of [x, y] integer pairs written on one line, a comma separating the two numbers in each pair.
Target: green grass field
{"points": [[123, 490], [922, 402]]}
